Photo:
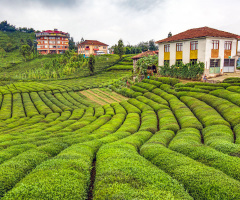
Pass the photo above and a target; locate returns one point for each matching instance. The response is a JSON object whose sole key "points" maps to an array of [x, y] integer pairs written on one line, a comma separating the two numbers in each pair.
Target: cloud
{"points": [[132, 20]]}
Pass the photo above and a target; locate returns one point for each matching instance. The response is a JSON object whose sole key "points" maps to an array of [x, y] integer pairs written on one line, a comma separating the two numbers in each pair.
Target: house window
{"points": [[194, 45], [87, 46], [229, 62], [179, 46], [193, 61], [167, 48], [215, 44], [228, 45], [104, 47], [214, 62]]}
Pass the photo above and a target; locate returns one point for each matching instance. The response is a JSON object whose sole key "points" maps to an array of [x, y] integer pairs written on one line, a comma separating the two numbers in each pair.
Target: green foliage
{"points": [[145, 62], [91, 63], [120, 49], [188, 71]]}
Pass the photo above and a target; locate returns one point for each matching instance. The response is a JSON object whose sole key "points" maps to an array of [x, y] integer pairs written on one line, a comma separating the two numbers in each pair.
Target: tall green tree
{"points": [[152, 46], [26, 51], [91, 64], [120, 48]]}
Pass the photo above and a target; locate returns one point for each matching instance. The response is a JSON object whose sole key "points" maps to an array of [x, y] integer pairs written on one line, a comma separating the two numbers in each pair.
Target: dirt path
{"points": [[118, 96], [91, 97], [110, 96], [226, 75], [101, 98]]}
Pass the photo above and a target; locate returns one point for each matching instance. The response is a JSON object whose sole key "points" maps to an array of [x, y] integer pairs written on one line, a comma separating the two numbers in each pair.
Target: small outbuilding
{"points": [[143, 54]]}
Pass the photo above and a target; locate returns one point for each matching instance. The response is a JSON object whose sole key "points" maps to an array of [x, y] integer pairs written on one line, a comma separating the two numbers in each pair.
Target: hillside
{"points": [[157, 139]]}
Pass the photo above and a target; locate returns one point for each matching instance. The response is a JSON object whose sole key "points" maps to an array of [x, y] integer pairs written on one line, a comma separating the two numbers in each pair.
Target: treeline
{"points": [[5, 26], [134, 49]]}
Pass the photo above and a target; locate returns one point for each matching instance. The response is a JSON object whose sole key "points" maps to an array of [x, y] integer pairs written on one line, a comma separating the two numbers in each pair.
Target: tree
{"points": [[82, 40], [120, 48], [71, 43], [169, 34], [26, 51], [143, 46], [152, 46], [91, 63]]}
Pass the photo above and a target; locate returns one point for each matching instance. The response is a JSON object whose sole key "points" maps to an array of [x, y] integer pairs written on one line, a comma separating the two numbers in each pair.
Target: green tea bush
{"points": [[39, 104], [153, 82], [99, 111], [120, 168], [49, 103], [188, 142], [30, 108], [230, 96], [118, 109], [146, 86], [205, 113], [131, 123], [156, 98], [191, 89], [201, 181], [167, 80], [65, 101], [149, 121], [77, 114], [231, 80], [58, 103], [156, 106], [138, 89], [17, 107], [167, 120], [140, 105], [129, 107], [108, 110], [5, 112]]}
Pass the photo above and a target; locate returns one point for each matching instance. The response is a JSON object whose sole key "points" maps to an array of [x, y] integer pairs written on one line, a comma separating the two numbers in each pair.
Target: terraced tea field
{"points": [[78, 139]]}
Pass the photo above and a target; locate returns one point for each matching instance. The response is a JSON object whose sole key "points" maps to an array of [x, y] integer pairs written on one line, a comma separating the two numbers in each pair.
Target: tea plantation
{"points": [[93, 138]]}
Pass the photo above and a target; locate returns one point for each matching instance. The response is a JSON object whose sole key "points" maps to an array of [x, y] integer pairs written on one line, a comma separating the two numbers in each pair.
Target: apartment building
{"points": [[52, 41], [92, 47], [216, 49]]}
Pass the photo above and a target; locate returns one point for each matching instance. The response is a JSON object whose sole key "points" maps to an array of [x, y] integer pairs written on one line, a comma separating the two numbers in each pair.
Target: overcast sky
{"points": [[131, 20]]}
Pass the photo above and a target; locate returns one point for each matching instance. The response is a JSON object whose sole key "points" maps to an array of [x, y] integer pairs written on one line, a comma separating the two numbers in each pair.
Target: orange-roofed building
{"points": [[92, 47], [143, 54], [216, 49], [52, 41]]}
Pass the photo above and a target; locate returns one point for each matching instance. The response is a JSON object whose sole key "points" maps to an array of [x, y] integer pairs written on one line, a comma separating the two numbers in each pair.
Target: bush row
{"points": [[156, 106], [231, 80], [234, 89], [167, 120], [39, 104], [6, 108], [146, 86], [138, 89], [126, 92], [67, 176], [203, 85], [122, 173], [153, 82], [30, 108], [118, 108], [156, 98], [140, 105], [201, 181], [129, 107], [108, 110], [131, 123], [205, 113], [62, 99], [149, 121], [16, 168], [221, 138], [230, 96], [17, 107], [55, 101], [49, 103], [191, 89], [188, 142], [228, 110]]}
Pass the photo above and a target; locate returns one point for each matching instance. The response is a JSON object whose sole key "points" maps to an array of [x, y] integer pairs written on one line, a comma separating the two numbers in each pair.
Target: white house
{"points": [[216, 49]]}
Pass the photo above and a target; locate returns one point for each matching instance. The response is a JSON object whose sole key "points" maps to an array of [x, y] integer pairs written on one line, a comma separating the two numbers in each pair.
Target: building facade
{"points": [[92, 47], [216, 49], [52, 42]]}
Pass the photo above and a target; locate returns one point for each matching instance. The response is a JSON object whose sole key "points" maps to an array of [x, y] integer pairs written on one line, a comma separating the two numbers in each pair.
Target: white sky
{"points": [[131, 20]]}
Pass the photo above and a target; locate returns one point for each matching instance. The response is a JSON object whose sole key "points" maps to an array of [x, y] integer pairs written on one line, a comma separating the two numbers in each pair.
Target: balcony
{"points": [[87, 48], [96, 49]]}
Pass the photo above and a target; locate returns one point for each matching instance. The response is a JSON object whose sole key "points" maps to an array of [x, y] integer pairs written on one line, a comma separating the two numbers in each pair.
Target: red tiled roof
{"points": [[57, 32], [93, 42], [146, 53], [199, 32]]}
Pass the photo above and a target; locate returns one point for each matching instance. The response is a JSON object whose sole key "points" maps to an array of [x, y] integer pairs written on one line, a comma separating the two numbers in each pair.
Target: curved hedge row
{"points": [[156, 98], [129, 107], [149, 121], [201, 181], [140, 105], [131, 123], [205, 113], [228, 110], [221, 138], [122, 173], [146, 86], [118, 108], [17, 107], [138, 89], [167, 120], [157, 83], [188, 142], [156, 106]]}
